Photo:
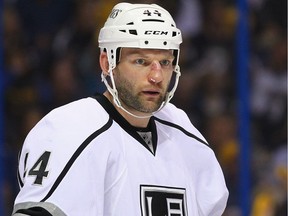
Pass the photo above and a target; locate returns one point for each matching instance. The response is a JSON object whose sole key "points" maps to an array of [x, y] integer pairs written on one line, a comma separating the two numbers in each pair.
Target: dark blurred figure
{"points": [[63, 85], [40, 20]]}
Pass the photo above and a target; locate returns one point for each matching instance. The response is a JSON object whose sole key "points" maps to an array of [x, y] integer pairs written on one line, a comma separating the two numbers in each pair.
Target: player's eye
{"points": [[140, 61], [165, 62]]}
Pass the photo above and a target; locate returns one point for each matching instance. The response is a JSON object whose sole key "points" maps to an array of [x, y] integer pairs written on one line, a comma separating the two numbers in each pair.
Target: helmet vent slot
{"points": [[132, 31], [152, 20]]}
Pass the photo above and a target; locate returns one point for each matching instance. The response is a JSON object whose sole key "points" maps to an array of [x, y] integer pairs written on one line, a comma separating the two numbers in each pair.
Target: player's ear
{"points": [[104, 64]]}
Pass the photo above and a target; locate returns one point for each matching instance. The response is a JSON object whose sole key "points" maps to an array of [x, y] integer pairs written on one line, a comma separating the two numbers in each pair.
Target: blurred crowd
{"points": [[51, 58]]}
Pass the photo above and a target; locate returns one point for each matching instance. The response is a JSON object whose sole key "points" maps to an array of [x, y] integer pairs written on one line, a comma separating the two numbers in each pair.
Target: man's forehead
{"points": [[131, 51]]}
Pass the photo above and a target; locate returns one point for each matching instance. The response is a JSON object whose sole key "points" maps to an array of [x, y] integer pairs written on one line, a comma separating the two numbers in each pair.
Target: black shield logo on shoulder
{"points": [[163, 201]]}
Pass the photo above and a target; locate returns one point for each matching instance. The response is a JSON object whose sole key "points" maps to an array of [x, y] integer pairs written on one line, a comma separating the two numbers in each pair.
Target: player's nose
{"points": [[156, 73]]}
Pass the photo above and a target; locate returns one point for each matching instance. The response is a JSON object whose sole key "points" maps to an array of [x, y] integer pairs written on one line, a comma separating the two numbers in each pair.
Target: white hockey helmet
{"points": [[146, 26]]}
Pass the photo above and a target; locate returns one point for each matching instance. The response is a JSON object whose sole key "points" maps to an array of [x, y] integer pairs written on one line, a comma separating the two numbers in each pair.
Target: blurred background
{"points": [[51, 58]]}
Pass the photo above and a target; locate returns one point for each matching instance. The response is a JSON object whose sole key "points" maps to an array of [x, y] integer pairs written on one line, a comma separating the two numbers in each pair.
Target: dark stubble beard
{"points": [[133, 101]]}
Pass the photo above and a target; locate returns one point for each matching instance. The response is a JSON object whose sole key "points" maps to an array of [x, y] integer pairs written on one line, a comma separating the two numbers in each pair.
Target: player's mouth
{"points": [[151, 93]]}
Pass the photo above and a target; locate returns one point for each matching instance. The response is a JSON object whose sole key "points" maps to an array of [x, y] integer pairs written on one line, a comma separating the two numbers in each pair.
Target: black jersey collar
{"points": [[117, 117]]}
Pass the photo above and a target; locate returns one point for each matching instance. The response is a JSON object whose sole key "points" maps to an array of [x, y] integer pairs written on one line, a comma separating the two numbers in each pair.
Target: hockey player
{"points": [[128, 152]]}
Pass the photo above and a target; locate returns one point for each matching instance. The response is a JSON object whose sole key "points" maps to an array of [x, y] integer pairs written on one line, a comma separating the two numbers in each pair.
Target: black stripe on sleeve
{"points": [[20, 182], [181, 129], [34, 211], [75, 156]]}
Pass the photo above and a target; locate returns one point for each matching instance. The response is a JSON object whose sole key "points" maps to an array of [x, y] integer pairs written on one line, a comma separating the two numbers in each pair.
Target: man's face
{"points": [[142, 77]]}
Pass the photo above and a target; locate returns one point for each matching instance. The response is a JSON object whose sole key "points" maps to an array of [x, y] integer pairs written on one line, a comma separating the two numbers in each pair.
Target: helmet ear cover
{"points": [[176, 55], [118, 51]]}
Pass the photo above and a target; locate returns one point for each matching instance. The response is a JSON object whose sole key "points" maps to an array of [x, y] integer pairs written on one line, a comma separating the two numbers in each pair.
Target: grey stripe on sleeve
{"points": [[50, 207]]}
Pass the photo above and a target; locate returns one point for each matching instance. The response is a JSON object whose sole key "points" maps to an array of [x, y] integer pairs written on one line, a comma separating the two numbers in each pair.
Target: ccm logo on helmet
{"points": [[150, 32]]}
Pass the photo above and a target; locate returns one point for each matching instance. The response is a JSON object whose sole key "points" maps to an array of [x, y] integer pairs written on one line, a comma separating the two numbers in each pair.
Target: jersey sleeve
{"points": [[57, 166], [212, 193], [211, 190], [37, 172]]}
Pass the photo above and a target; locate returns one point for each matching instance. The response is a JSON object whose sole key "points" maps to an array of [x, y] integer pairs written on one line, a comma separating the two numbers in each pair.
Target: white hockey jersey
{"points": [[84, 158]]}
